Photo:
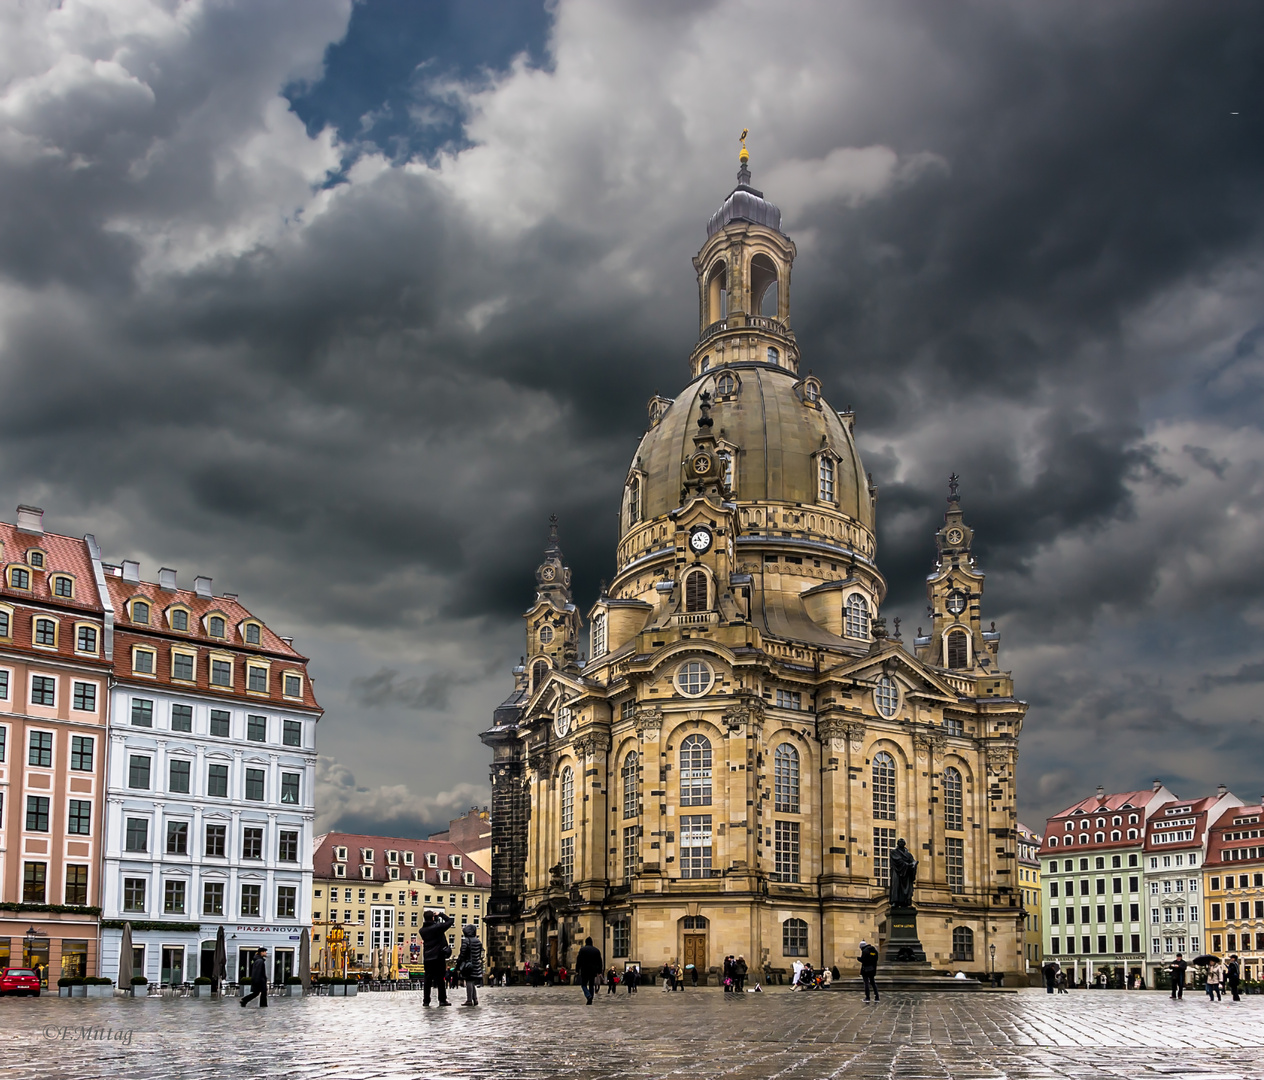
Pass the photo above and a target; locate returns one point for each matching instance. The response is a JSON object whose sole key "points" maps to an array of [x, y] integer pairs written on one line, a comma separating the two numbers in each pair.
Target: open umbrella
{"points": [[219, 962], [125, 958], [305, 959], [1201, 961]]}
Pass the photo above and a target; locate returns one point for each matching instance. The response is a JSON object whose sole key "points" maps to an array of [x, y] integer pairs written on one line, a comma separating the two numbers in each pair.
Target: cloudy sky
{"points": [[337, 302]]}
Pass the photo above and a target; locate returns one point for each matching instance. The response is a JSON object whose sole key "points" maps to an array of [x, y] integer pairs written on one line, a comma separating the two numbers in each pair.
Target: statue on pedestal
{"points": [[903, 873]]}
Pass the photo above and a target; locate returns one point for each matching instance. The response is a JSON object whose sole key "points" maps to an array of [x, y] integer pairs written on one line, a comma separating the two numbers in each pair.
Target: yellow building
{"points": [[1233, 888], [730, 769], [377, 888], [1029, 888]]}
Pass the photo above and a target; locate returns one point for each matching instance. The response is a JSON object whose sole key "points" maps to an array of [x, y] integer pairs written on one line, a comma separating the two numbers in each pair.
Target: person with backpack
{"points": [[435, 951], [469, 962], [869, 968]]}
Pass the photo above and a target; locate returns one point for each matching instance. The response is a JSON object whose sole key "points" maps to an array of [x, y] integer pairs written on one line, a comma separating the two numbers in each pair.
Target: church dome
{"points": [[745, 203], [778, 432]]}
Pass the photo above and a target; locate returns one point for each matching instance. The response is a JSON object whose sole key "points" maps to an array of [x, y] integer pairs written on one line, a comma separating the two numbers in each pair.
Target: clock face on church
{"points": [[700, 540], [702, 464], [548, 573], [956, 602], [955, 536]]}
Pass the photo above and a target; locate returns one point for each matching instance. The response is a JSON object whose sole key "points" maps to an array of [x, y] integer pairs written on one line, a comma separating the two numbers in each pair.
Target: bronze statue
{"points": [[903, 871]]}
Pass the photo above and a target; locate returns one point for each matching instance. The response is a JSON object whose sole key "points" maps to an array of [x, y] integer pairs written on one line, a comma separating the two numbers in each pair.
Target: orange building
{"points": [[53, 703]]}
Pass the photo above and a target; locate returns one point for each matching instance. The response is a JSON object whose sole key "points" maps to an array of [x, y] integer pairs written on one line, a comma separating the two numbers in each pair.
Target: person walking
{"points": [[739, 974], [469, 962], [1050, 971], [612, 981], [869, 968], [588, 967], [1215, 979], [435, 951], [258, 979], [1233, 976], [1062, 982], [1178, 969], [728, 974]]}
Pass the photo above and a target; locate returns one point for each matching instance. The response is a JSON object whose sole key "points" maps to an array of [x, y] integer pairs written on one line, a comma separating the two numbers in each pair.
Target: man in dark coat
{"points": [[434, 955], [258, 980], [588, 966], [1050, 971], [1233, 977], [869, 969], [1178, 976], [739, 974]]}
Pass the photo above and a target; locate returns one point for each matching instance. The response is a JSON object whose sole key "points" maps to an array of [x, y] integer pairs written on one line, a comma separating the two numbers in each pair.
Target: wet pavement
{"points": [[520, 1032]]}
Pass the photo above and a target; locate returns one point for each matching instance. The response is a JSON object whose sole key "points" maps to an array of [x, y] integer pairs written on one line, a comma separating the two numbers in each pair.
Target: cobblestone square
{"points": [[532, 1033]]}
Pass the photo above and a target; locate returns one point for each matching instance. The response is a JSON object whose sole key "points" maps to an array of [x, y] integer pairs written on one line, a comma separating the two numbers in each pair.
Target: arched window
{"points": [[717, 294], [763, 286], [568, 799], [539, 672], [794, 938], [726, 467], [706, 363], [825, 479], [1053, 841], [634, 501], [883, 786], [140, 613], [953, 816], [598, 635], [957, 649], [695, 591], [726, 383], [214, 626], [695, 771], [628, 775], [962, 943], [1114, 834], [785, 782], [857, 617], [1083, 838], [774, 357]]}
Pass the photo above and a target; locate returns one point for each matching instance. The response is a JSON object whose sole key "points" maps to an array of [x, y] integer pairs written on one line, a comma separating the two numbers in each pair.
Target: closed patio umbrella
{"points": [[125, 958], [219, 962], [373, 962], [305, 959], [394, 963]]}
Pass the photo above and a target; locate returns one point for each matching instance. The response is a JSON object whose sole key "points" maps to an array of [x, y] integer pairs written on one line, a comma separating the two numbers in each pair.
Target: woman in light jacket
{"points": [[1215, 980]]}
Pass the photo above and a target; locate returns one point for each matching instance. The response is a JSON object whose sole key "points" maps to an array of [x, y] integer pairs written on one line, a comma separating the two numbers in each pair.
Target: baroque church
{"points": [[730, 767]]}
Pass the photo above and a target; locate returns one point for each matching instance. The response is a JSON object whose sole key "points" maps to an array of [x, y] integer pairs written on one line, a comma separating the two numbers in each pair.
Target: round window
{"points": [[694, 678], [546, 634], [886, 696]]}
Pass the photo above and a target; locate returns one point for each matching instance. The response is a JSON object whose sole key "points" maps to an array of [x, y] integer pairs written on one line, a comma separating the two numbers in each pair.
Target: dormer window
{"points": [[140, 612], [179, 619], [811, 390], [634, 501], [366, 854], [63, 586], [292, 685], [432, 859], [392, 856], [469, 877], [366, 872], [20, 578], [340, 870], [408, 858], [456, 861], [252, 633], [726, 384], [35, 559], [215, 626], [340, 853], [856, 617], [46, 633], [825, 478]]}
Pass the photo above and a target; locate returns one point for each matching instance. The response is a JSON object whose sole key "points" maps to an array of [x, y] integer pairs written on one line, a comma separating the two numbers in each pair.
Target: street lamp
{"points": [[29, 942], [992, 950]]}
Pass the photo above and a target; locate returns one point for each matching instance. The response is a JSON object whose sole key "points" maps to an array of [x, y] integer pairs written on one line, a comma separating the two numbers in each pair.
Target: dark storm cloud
{"points": [[353, 387]]}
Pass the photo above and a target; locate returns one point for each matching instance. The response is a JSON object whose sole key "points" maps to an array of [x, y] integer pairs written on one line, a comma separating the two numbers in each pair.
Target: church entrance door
{"points": [[696, 952]]}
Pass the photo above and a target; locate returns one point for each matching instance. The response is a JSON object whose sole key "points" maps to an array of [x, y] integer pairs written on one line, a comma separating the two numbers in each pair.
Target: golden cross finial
{"points": [[744, 156]]}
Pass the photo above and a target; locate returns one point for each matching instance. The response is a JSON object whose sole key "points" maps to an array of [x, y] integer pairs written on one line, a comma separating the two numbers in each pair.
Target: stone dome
{"points": [[745, 203], [776, 432]]}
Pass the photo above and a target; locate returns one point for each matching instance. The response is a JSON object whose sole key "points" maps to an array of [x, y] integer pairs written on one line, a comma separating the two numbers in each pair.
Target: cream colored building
{"points": [[730, 768]]}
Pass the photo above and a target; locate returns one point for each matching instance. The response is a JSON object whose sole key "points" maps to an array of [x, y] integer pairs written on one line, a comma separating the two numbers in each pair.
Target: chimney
{"points": [[167, 579], [31, 520], [289, 641], [202, 586], [1222, 791], [131, 571], [1101, 793], [1156, 785]]}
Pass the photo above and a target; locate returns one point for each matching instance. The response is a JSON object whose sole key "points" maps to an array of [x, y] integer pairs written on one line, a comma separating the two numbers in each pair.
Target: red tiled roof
{"points": [[1118, 803], [160, 636], [323, 860], [1248, 838], [1197, 810], [61, 553]]}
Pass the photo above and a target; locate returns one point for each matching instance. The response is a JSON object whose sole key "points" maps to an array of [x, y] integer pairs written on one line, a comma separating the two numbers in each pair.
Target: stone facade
{"points": [[727, 771]]}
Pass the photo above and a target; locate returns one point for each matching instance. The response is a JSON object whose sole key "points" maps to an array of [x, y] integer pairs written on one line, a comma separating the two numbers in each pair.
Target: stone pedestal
{"points": [[903, 964]]}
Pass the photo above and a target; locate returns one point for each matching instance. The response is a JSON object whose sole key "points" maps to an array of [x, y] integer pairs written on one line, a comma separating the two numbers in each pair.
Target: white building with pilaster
{"points": [[211, 778]]}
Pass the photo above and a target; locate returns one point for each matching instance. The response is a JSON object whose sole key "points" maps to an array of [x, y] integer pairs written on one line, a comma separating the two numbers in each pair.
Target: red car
{"points": [[19, 981]]}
